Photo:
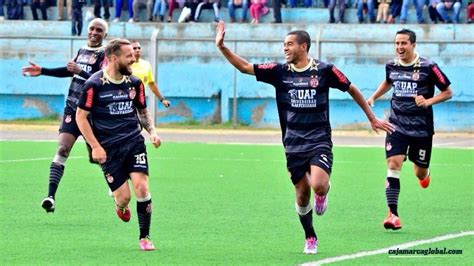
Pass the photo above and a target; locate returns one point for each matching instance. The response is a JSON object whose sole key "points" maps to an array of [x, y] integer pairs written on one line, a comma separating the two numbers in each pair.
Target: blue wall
{"points": [[201, 84]]}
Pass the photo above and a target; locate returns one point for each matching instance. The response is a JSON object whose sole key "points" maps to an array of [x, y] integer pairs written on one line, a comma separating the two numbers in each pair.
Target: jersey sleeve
{"points": [[140, 99], [337, 79], [86, 100], [387, 74], [439, 78], [267, 72]]}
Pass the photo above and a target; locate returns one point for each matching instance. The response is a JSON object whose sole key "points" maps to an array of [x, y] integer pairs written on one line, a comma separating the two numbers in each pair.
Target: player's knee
{"points": [[421, 172], [141, 189], [303, 210], [321, 189], [63, 150], [122, 199]]}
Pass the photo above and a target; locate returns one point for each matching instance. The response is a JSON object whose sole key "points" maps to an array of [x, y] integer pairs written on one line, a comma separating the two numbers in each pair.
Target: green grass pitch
{"points": [[228, 204]]}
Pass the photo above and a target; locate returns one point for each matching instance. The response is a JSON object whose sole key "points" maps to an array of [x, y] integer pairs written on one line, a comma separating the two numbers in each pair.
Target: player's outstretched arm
{"points": [[375, 123], [98, 153], [381, 90], [238, 62], [35, 70], [147, 122]]}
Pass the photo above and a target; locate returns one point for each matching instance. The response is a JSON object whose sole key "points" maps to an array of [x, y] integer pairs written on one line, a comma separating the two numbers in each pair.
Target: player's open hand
{"points": [[73, 67], [99, 155], [383, 125], [33, 70], [421, 101], [155, 140], [220, 34]]}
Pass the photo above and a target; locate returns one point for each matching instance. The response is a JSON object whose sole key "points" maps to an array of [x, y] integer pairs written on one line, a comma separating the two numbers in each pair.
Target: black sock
{"points": [[56, 171], [144, 217], [391, 192], [307, 223]]}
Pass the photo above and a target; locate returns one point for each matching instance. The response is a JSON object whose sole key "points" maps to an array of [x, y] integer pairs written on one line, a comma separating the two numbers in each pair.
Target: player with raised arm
{"points": [[89, 59], [302, 96]]}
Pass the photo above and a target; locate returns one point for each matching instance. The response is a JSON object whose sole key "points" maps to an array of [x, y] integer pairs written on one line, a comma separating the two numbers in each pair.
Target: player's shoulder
{"points": [[425, 61], [96, 78], [392, 62], [321, 64], [135, 80]]}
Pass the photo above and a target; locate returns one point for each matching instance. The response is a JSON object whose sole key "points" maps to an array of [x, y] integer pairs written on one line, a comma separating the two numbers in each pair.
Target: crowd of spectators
{"points": [[368, 11]]}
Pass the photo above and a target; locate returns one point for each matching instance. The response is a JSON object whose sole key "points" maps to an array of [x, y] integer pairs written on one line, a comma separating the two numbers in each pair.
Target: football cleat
{"points": [[392, 222], [425, 182], [48, 204], [311, 246], [146, 244], [321, 202], [123, 213]]}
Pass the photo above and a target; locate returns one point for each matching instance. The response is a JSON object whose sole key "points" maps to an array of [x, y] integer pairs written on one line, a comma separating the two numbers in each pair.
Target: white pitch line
{"points": [[385, 250], [37, 159]]}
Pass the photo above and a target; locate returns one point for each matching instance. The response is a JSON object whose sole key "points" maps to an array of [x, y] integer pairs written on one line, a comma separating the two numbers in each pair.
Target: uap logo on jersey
{"points": [[302, 98], [132, 93], [120, 108], [405, 88], [68, 119], [109, 178]]}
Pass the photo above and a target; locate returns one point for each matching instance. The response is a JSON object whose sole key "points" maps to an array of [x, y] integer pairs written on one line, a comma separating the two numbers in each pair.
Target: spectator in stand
{"points": [[60, 4], [277, 11], [382, 11], [419, 11], [470, 12], [207, 4], [172, 5], [118, 10], [42, 5], [342, 9], [233, 4], [2, 12], [101, 3], [294, 3], [395, 10], [159, 10], [360, 10], [76, 20], [137, 4], [14, 9], [434, 15], [258, 9], [449, 5]]}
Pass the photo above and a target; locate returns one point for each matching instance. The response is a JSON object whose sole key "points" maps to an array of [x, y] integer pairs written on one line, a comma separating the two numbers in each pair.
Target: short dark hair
{"points": [[114, 46], [301, 37], [411, 34]]}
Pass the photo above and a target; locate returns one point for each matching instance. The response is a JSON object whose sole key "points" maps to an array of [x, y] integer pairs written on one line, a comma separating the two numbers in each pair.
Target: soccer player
{"points": [[115, 103], [89, 59], [302, 91], [412, 78], [142, 69]]}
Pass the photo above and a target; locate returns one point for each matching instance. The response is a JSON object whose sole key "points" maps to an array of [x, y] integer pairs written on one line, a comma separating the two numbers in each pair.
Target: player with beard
{"points": [[413, 79], [302, 96], [89, 59], [115, 103]]}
